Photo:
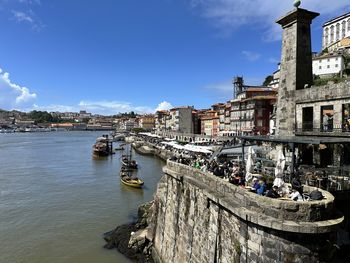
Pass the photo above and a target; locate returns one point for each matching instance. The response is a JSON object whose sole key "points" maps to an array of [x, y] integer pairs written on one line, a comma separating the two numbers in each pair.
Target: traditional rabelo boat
{"points": [[102, 147], [129, 180], [128, 163]]}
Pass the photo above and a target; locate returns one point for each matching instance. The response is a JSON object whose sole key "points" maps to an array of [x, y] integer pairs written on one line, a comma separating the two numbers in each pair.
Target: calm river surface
{"points": [[56, 201]]}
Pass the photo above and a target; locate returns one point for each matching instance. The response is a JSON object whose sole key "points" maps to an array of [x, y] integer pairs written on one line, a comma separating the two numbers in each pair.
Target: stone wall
{"points": [[202, 218], [316, 97]]}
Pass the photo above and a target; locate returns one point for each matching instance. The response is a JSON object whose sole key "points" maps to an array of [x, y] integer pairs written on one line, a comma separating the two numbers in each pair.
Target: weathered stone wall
{"points": [[202, 218], [316, 97]]}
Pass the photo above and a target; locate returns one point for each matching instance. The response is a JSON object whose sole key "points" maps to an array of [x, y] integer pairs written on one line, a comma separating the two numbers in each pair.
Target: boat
{"points": [[121, 148], [102, 147], [127, 179], [128, 163]]}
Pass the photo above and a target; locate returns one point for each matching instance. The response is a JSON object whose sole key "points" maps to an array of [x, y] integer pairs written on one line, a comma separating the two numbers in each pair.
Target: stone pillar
{"points": [[296, 65]]}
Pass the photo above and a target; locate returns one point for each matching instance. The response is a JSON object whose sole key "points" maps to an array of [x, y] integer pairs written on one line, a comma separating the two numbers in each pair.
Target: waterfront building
{"points": [[335, 31], [147, 122], [180, 119], [210, 123], [130, 124], [160, 119], [250, 112]]}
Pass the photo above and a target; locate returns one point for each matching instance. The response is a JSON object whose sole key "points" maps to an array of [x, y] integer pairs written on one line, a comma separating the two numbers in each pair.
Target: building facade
{"points": [[336, 30], [180, 119], [328, 64]]}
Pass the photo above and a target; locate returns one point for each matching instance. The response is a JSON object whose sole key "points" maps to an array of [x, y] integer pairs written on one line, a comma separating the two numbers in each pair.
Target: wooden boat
{"points": [[127, 179], [102, 147], [128, 163]]}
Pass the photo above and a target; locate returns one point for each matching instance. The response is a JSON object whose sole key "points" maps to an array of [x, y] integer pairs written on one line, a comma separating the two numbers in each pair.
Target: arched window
{"points": [[343, 27], [326, 35], [349, 25], [337, 31], [332, 34]]}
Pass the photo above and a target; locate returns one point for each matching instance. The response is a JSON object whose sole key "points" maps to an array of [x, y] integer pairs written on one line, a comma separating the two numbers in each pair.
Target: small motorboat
{"points": [[127, 179], [119, 148]]}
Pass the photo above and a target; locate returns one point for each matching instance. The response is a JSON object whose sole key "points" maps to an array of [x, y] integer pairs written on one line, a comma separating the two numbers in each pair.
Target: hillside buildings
{"points": [[335, 31]]}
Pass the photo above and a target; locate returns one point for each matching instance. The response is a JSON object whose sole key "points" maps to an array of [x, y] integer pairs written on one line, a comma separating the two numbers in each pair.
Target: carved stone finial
{"points": [[297, 3]]}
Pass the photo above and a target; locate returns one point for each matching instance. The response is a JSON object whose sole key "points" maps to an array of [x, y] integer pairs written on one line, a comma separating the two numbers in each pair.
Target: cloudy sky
{"points": [[110, 56]]}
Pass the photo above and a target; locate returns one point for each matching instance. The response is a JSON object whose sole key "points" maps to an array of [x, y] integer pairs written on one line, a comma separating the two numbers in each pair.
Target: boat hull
{"points": [[136, 183]]}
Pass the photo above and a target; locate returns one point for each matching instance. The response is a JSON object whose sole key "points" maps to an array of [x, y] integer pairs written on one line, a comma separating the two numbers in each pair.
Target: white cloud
{"points": [[29, 18], [228, 15], [30, 2], [22, 17], [164, 106], [251, 56], [13, 96]]}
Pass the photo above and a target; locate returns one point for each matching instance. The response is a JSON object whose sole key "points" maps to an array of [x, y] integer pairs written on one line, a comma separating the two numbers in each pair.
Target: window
{"points": [[336, 65], [326, 36], [343, 25], [337, 31], [332, 34], [320, 67], [349, 25], [328, 66], [327, 113], [346, 117], [336, 59]]}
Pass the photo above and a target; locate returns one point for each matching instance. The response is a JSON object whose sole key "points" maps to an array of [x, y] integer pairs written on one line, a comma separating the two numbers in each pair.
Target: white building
{"points": [[336, 30], [275, 82], [328, 64]]}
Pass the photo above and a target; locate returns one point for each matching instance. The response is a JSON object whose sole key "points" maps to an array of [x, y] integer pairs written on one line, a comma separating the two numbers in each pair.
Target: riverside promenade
{"points": [[199, 217]]}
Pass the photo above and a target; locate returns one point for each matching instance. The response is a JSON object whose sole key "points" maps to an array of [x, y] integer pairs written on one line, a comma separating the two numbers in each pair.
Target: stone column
{"points": [[296, 65]]}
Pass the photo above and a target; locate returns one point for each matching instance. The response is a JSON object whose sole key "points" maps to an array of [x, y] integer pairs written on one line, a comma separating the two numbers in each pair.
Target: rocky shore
{"points": [[134, 239]]}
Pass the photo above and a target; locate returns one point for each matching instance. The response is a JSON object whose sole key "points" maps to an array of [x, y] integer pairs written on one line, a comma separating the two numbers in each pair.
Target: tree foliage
{"points": [[267, 80]]}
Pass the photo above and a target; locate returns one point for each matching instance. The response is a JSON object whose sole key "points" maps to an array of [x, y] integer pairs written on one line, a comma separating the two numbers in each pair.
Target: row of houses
{"points": [[249, 113]]}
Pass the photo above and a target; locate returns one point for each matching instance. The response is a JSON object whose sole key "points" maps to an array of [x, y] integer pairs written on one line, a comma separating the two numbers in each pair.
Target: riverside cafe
{"points": [[322, 162]]}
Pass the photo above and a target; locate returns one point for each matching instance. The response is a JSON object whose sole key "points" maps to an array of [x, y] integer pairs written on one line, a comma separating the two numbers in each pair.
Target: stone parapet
{"points": [[321, 93], [201, 218], [301, 217]]}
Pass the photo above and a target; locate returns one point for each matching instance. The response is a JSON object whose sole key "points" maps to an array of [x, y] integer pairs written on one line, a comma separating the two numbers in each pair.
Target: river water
{"points": [[56, 201]]}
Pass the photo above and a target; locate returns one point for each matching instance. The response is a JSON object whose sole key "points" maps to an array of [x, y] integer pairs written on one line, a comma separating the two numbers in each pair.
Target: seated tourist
{"points": [[272, 193], [296, 184], [255, 184], [295, 195], [262, 188]]}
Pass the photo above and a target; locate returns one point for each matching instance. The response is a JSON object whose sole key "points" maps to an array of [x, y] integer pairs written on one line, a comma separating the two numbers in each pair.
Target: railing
{"points": [[329, 128], [332, 179]]}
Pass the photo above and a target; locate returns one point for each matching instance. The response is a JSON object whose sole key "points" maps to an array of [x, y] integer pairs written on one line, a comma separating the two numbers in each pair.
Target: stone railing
{"points": [[284, 215]]}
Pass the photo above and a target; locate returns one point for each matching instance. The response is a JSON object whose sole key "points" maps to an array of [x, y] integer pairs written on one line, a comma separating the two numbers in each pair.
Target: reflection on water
{"points": [[56, 201]]}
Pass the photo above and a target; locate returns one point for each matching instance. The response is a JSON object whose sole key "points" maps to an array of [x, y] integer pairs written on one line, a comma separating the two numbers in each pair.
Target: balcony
{"points": [[336, 130]]}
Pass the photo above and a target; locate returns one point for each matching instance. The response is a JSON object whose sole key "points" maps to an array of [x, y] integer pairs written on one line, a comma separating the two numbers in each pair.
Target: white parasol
{"points": [[249, 165], [281, 162]]}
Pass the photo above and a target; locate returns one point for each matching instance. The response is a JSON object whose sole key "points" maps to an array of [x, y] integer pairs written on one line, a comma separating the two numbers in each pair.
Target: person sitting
{"points": [[295, 195], [272, 193], [255, 184], [261, 190], [296, 184]]}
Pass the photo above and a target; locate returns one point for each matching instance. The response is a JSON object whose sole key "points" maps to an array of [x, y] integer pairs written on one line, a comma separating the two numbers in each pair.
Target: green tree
{"points": [[267, 80]]}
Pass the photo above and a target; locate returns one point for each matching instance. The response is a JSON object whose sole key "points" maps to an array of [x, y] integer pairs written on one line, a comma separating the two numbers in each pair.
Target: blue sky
{"points": [[110, 56]]}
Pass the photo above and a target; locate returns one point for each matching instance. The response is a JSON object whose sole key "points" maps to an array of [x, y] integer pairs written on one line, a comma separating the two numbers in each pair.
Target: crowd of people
{"points": [[231, 171]]}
